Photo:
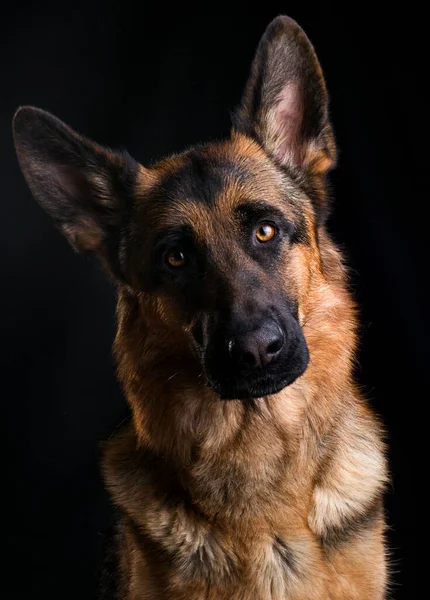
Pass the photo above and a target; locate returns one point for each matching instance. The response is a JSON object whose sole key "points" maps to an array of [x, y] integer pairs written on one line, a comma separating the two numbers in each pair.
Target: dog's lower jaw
{"points": [[260, 384], [254, 392]]}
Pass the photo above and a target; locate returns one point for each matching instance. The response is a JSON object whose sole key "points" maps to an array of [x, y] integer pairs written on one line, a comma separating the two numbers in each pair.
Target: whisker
{"points": [[174, 374]]}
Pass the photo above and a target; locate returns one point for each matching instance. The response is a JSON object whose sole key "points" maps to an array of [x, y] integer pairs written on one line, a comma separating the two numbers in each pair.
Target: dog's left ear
{"points": [[284, 105]]}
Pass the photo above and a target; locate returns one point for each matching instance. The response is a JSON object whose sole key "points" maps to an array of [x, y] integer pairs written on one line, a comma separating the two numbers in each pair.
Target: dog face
{"points": [[223, 237], [223, 225]]}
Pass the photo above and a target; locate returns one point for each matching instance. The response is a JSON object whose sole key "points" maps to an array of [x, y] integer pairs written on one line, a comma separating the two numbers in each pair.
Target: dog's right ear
{"points": [[86, 188]]}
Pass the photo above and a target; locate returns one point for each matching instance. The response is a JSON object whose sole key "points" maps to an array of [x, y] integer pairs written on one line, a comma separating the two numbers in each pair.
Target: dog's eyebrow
{"points": [[172, 235], [252, 211]]}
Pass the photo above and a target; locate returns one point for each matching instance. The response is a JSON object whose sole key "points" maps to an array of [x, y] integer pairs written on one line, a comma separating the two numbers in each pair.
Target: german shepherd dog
{"points": [[252, 468]]}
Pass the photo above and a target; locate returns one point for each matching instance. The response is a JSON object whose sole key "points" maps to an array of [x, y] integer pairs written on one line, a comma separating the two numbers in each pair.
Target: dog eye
{"points": [[265, 232], [176, 258]]}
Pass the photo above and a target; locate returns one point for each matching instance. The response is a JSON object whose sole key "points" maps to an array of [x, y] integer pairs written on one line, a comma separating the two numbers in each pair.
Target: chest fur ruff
{"points": [[310, 543]]}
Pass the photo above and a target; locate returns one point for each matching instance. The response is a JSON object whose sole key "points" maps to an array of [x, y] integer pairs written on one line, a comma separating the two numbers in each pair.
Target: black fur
{"points": [[200, 179], [285, 554]]}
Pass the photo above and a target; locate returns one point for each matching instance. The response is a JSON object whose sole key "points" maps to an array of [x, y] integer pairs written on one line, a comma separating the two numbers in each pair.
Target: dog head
{"points": [[223, 236]]}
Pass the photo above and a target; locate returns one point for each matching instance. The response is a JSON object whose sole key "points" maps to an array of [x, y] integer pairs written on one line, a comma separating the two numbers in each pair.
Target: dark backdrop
{"points": [[155, 79]]}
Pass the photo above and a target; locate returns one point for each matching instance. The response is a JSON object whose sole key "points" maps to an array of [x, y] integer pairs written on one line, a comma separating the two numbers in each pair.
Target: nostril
{"points": [[197, 333], [275, 346]]}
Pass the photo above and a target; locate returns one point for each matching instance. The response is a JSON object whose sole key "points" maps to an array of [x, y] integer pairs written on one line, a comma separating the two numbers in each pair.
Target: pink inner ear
{"points": [[284, 125], [85, 234], [71, 180]]}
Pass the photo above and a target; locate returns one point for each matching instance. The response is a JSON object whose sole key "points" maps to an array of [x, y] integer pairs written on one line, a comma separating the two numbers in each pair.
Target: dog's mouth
{"points": [[260, 382]]}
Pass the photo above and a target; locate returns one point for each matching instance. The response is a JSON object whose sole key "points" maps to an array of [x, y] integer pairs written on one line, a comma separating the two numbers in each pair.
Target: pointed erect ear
{"points": [[87, 189], [284, 105]]}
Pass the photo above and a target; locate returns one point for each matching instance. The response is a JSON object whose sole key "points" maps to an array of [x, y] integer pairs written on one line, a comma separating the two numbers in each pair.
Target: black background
{"points": [[154, 79]]}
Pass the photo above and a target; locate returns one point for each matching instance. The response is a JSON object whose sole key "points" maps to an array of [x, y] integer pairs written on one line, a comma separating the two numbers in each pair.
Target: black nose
{"points": [[259, 347]]}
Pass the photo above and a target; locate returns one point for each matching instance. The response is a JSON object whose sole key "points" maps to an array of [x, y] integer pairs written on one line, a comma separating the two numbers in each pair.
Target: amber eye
{"points": [[266, 232], [176, 258]]}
